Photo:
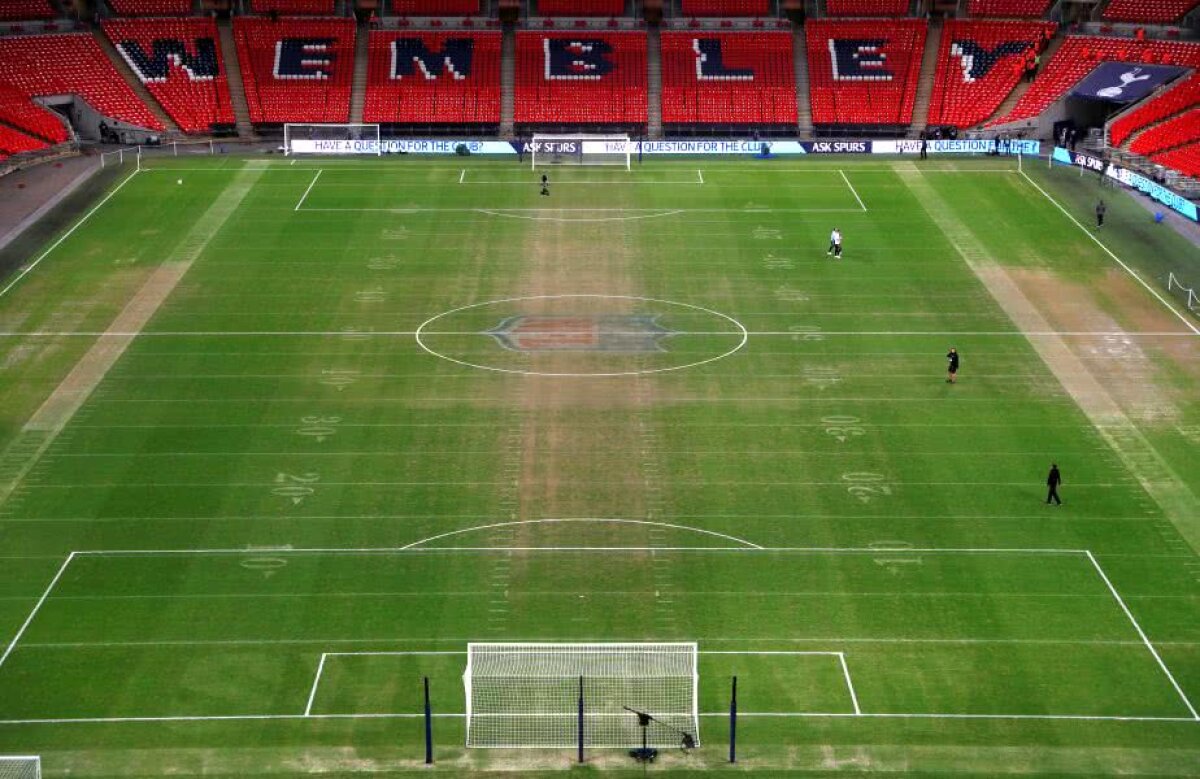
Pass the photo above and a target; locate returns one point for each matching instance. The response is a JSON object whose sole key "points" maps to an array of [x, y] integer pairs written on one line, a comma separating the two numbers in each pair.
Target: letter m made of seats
{"points": [[411, 54], [164, 53], [574, 59], [859, 59]]}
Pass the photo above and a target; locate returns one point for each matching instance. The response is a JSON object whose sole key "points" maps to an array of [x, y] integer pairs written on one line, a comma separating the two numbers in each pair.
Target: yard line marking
{"points": [[311, 184], [28, 268], [1120, 602], [1129, 270], [723, 714], [849, 684], [36, 608], [853, 191], [312, 696]]}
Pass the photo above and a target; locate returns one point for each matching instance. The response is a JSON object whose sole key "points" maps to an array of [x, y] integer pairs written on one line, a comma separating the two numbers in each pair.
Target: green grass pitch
{"points": [[281, 437]]}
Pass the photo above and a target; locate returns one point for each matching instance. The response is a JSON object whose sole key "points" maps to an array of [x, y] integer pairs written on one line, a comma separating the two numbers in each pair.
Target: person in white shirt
{"points": [[835, 244]]}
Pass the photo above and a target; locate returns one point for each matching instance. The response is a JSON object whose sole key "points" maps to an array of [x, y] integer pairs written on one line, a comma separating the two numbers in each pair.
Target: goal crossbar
{"points": [[613, 149], [527, 695], [346, 138]]}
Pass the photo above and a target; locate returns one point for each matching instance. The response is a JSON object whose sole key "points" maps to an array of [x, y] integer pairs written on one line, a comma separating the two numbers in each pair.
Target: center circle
{"points": [[581, 335]]}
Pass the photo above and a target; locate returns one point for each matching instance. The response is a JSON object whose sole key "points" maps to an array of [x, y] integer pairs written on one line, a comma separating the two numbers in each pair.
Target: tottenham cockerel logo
{"points": [[977, 61], [584, 333]]}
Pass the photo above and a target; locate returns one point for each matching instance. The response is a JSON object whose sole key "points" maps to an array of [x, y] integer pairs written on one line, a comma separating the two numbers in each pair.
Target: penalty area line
{"points": [[853, 191], [312, 184], [12, 645]]}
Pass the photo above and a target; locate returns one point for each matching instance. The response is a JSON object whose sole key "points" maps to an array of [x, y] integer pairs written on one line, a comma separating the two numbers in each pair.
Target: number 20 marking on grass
{"points": [[866, 486]]}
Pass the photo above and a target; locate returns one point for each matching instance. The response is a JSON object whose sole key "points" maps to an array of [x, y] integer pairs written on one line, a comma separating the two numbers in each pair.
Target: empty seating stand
{"points": [[739, 78], [866, 7], [435, 7], [864, 72], [586, 77], [979, 64], [1179, 98], [1080, 54], [1185, 159], [151, 7], [420, 77], [726, 7], [19, 111], [296, 70], [15, 142], [16, 10], [581, 7], [179, 61], [1183, 129], [1011, 8], [71, 64], [300, 7], [1149, 11]]}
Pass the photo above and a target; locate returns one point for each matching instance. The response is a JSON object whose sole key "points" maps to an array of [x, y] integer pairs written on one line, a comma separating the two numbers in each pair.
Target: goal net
{"points": [[20, 767], [331, 139], [580, 149], [528, 695]]}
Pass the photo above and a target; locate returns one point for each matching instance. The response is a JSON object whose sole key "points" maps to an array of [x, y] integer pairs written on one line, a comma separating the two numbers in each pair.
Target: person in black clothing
{"points": [[1100, 210], [924, 145], [545, 185], [952, 365], [1052, 481]]}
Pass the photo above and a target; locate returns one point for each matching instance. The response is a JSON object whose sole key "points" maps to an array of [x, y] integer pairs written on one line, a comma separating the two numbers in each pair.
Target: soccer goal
{"points": [[331, 139], [20, 767], [529, 695], [580, 149]]}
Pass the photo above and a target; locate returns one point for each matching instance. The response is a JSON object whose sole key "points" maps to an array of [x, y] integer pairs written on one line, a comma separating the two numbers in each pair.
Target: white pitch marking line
{"points": [[1117, 259], [311, 184], [700, 176], [455, 333], [37, 607], [508, 550], [1145, 640], [312, 696], [26, 270], [853, 191], [849, 684], [462, 177]]}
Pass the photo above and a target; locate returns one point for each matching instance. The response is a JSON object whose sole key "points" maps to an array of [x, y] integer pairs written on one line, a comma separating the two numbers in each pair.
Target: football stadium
{"points": [[605, 387]]}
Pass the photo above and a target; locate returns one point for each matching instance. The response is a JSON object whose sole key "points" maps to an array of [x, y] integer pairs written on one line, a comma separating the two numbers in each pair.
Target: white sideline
{"points": [[853, 191], [1129, 270], [25, 271], [1145, 640], [36, 608], [756, 333], [311, 184]]}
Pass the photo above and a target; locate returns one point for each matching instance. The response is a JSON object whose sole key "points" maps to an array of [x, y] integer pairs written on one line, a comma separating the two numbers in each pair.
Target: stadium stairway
{"points": [[237, 92], [508, 80], [929, 65], [1010, 102], [654, 82], [358, 87], [134, 82], [804, 120]]}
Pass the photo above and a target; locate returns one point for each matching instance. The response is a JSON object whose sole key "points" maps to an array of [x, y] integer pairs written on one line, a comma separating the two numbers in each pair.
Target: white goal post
{"points": [[301, 138], [580, 149], [20, 767], [527, 695]]}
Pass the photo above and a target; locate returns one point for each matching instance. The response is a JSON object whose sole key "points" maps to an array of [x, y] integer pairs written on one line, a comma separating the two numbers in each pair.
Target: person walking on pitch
{"points": [[1100, 210], [835, 244], [545, 185], [951, 365], [1052, 481]]}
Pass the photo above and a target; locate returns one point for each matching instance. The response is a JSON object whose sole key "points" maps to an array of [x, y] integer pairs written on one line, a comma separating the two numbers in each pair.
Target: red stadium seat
{"points": [[25, 9], [979, 64], [751, 81], [581, 7], [1018, 8], [299, 7], [435, 7], [72, 64], [1185, 159], [14, 142], [586, 77], [151, 7], [194, 92], [312, 84], [864, 72], [726, 7], [434, 94], [1079, 55], [30, 118], [1149, 11], [1181, 130], [866, 7], [1181, 97]]}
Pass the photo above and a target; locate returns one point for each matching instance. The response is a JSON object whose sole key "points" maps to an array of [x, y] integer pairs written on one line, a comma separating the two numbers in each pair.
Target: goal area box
{"points": [[331, 139], [580, 149], [522, 695]]}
